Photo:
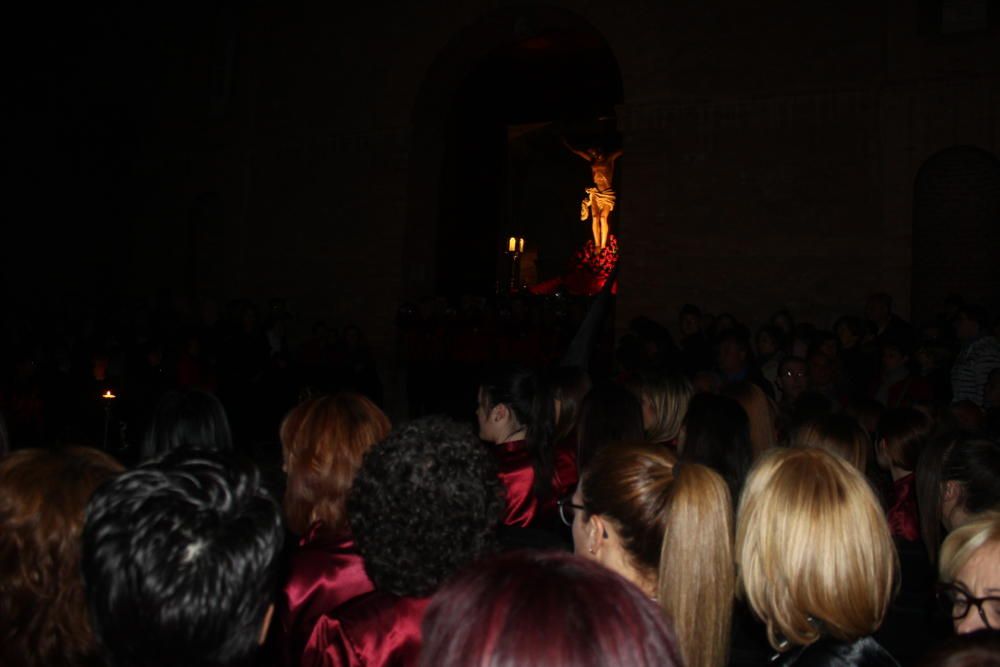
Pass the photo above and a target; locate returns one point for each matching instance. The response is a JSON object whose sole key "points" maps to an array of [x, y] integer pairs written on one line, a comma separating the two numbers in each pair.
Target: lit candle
{"points": [[510, 245], [522, 246], [108, 394]]}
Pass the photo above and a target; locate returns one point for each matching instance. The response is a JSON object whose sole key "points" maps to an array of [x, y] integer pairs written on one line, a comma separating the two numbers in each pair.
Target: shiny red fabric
{"points": [[376, 629], [904, 521], [566, 473], [518, 476], [325, 572]]}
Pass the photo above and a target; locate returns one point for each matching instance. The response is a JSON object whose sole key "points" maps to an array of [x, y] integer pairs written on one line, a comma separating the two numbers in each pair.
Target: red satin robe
{"points": [[325, 572], [374, 630], [904, 521], [518, 476]]}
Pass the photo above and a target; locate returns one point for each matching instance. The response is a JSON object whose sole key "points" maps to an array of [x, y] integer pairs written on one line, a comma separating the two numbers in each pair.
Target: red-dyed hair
{"points": [[43, 496], [535, 609], [324, 440]]}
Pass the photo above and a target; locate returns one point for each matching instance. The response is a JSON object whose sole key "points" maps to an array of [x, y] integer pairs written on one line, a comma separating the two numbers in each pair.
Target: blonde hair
{"points": [[669, 397], [760, 411], [837, 434], [813, 550], [964, 541], [676, 525]]}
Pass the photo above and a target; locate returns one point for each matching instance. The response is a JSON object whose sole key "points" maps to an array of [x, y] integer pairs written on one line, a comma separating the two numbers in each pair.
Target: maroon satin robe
{"points": [[325, 572], [904, 520], [373, 630], [518, 476]]}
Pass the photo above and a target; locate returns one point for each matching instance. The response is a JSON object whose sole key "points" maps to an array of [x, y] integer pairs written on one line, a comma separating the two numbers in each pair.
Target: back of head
{"points": [[43, 495], [610, 414], [928, 478], [180, 562], [813, 548], [568, 386], [535, 609], [975, 464], [717, 434], [675, 523], [323, 441], [425, 502], [837, 434], [760, 412], [191, 419], [905, 432], [667, 398]]}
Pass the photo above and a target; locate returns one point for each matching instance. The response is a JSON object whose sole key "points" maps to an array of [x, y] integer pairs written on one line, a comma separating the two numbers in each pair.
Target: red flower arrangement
{"points": [[599, 262]]}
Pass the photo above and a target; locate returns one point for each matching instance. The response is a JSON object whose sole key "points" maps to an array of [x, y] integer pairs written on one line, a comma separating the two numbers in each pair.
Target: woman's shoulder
{"points": [[864, 652]]}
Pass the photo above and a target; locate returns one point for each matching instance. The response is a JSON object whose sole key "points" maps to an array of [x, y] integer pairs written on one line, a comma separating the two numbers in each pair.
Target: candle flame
{"points": [[511, 245], [108, 394], [521, 249]]}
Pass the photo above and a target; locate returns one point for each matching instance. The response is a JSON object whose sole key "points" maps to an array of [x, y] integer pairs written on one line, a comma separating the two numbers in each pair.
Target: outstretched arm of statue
{"points": [[575, 151], [617, 154]]}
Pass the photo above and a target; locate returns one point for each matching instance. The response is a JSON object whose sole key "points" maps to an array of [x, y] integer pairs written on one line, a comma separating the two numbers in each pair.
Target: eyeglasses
{"points": [[566, 510], [959, 602]]}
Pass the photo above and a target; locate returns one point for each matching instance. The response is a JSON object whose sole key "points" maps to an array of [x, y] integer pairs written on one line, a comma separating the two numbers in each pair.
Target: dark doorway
{"points": [[505, 172]]}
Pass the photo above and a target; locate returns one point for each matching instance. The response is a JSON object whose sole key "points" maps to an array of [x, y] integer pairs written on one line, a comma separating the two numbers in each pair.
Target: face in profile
{"points": [[978, 580], [580, 546]]}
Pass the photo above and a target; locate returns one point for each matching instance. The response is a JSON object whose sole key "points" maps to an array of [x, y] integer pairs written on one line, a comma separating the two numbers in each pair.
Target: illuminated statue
{"points": [[600, 200]]}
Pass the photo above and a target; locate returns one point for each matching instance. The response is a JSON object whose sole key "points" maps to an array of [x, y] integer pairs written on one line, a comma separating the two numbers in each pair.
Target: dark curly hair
{"points": [[425, 502]]}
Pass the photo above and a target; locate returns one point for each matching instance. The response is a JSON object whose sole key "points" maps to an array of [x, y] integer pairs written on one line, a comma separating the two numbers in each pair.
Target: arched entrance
{"points": [[486, 153], [956, 229]]}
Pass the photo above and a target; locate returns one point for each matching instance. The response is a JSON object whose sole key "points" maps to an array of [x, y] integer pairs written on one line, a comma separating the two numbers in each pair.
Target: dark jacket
{"points": [[864, 652]]}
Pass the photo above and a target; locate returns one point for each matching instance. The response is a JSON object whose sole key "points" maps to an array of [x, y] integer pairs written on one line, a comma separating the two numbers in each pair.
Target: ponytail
{"points": [[696, 581]]}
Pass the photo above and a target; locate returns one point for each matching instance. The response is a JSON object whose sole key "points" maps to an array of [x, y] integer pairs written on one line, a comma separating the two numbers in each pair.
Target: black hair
{"points": [[690, 309], [610, 414], [975, 464], [975, 313], [530, 399], [717, 435], [928, 479], [569, 385], [425, 502], [855, 324], [180, 562], [191, 419]]}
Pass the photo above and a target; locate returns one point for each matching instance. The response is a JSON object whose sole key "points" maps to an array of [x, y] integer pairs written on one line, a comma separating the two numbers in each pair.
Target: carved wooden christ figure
{"points": [[599, 200]]}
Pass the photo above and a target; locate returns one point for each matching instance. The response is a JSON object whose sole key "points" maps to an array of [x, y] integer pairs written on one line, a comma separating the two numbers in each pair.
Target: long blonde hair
{"points": [[676, 525]]}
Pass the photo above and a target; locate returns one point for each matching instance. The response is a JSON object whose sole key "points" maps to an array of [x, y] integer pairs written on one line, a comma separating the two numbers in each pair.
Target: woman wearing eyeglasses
{"points": [[970, 570], [666, 528]]}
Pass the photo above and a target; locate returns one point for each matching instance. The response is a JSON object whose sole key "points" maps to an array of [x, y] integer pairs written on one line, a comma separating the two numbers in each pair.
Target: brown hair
{"points": [[669, 396], [43, 497], [324, 440], [905, 431], [837, 434], [760, 411], [675, 521], [569, 386], [813, 549]]}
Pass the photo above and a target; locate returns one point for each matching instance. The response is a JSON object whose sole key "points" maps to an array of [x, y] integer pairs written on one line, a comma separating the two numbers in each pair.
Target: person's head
{"points": [[323, 440], [181, 562], [976, 649], [930, 490], [837, 434], [902, 432], [813, 549], [43, 495], [192, 419], [664, 399], [770, 339], [970, 322], [760, 412], [792, 378], [610, 414], [822, 370], [717, 434], [895, 355], [849, 330], [569, 385], [825, 342], [970, 571], [734, 351], [668, 528], [784, 321], [425, 502], [879, 308], [690, 320], [538, 609], [970, 480]]}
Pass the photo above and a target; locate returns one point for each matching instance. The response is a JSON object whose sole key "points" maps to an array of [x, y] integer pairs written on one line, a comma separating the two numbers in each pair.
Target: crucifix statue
{"points": [[600, 200]]}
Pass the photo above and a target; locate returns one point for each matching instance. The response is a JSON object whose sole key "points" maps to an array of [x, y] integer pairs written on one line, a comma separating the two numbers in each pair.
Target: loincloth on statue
{"points": [[603, 200]]}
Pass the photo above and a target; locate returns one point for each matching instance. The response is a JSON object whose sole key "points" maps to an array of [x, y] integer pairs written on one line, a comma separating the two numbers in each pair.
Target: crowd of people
{"points": [[791, 497]]}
